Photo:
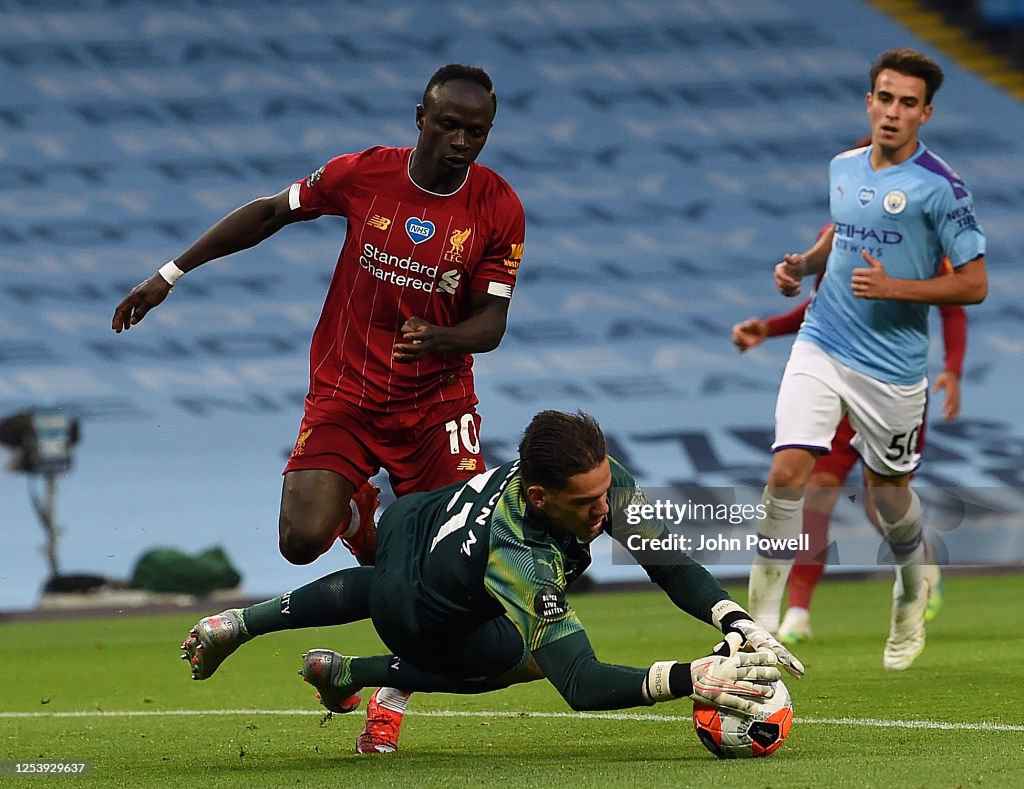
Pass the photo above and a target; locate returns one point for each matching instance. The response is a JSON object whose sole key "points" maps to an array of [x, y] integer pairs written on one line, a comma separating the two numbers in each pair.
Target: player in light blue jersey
{"points": [[904, 216], [896, 210]]}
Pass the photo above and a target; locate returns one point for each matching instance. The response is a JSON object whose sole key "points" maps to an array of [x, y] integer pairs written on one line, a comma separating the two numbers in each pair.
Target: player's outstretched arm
{"points": [[243, 228], [694, 590], [740, 680], [480, 332]]}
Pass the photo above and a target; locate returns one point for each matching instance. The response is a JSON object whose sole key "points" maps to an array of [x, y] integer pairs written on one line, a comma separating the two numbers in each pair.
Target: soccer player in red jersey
{"points": [[424, 278], [831, 470]]}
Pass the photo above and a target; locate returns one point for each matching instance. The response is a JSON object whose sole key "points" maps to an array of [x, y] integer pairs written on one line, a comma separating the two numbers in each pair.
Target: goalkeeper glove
{"points": [[761, 640], [731, 618], [740, 682]]}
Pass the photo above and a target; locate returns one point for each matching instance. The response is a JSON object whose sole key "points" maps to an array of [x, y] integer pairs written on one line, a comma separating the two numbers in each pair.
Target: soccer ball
{"points": [[732, 735]]}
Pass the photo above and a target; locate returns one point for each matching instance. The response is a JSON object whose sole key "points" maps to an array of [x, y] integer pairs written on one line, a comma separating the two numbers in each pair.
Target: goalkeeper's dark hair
{"points": [[459, 71], [911, 63], [556, 446]]}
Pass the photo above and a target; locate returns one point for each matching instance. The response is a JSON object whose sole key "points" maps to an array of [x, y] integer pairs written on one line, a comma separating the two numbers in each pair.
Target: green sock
{"points": [[335, 599], [390, 671], [265, 617]]}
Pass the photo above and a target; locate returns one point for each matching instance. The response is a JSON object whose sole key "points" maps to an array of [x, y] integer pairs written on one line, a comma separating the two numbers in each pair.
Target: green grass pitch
{"points": [[112, 691]]}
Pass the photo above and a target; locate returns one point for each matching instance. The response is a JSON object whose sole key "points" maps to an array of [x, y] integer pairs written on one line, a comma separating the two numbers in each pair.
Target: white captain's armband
{"points": [[499, 289]]}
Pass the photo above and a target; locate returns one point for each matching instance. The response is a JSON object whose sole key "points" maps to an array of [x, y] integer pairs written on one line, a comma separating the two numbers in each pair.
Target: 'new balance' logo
{"points": [[449, 282]]}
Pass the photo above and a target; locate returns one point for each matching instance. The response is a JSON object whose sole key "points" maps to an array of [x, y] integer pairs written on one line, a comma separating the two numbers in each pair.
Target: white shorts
{"points": [[816, 391]]}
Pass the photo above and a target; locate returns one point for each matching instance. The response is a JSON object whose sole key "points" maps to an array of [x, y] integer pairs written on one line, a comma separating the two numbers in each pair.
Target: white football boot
{"points": [[906, 628], [795, 627]]}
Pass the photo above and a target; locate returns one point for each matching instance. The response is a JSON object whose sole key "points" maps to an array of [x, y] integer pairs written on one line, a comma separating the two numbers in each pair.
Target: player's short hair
{"points": [[556, 446], [913, 64], [459, 71]]}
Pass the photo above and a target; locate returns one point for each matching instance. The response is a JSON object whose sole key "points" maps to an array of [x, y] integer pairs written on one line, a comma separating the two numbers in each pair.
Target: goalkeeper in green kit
{"points": [[468, 592]]}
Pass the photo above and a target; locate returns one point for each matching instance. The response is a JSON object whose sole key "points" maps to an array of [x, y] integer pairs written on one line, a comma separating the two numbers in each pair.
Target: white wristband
{"points": [[170, 272], [723, 607], [655, 687]]}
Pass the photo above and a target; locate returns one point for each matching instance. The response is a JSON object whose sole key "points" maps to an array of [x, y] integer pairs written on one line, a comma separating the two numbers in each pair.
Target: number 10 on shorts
{"points": [[464, 429]]}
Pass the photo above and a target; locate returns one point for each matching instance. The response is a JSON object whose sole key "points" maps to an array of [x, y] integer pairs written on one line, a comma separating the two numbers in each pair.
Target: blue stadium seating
{"points": [[667, 154]]}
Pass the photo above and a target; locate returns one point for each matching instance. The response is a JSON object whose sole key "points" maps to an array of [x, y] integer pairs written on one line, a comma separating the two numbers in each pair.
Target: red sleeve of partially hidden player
{"points": [[787, 322], [954, 336]]}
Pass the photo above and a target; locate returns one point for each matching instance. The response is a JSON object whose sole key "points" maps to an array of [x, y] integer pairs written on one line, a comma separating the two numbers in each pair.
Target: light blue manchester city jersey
{"points": [[908, 216]]}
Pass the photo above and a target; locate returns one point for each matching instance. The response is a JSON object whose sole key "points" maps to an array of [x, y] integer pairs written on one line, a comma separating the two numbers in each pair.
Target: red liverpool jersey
{"points": [[407, 252]]}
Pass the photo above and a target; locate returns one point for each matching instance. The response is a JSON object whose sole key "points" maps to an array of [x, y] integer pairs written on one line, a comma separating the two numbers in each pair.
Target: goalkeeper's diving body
{"points": [[468, 592]]}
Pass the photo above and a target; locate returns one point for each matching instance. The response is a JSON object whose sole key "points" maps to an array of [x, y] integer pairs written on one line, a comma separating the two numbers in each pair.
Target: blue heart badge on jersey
{"points": [[865, 195], [419, 230]]}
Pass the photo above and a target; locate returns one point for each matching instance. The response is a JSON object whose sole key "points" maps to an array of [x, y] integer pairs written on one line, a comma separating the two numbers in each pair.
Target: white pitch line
{"points": [[614, 716]]}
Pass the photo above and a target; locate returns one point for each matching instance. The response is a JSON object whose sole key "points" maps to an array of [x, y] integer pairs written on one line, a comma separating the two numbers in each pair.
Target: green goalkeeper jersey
{"points": [[475, 550]]}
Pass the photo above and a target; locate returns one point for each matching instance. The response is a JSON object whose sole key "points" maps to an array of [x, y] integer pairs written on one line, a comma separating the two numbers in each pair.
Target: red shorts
{"points": [[421, 450], [842, 458]]}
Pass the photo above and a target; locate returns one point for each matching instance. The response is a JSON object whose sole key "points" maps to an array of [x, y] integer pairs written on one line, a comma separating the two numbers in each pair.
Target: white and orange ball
{"points": [[732, 735]]}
